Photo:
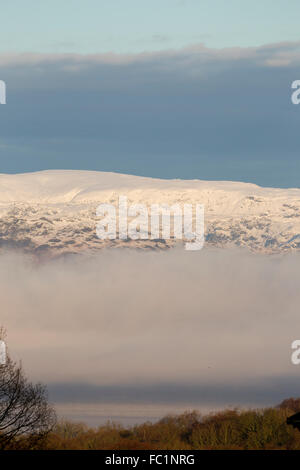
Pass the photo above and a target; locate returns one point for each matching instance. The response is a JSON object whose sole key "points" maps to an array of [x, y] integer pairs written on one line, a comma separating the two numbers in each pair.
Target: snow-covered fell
{"points": [[55, 211]]}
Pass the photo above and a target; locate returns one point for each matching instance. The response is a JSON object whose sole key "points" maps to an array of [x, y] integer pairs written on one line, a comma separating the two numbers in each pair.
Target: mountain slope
{"points": [[55, 211]]}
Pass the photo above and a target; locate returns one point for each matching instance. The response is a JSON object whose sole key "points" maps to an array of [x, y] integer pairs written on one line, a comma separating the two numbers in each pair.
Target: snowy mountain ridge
{"points": [[54, 211]]}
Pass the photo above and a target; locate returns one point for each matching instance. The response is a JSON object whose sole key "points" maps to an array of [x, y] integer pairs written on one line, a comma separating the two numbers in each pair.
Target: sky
{"points": [[124, 26], [170, 89]]}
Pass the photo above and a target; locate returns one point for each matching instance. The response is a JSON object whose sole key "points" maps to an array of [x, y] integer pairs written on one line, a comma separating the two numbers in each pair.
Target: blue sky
{"points": [[171, 89], [93, 26]]}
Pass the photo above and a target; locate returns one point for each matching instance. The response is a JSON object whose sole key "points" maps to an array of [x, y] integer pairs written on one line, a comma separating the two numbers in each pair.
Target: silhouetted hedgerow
{"points": [[228, 429]]}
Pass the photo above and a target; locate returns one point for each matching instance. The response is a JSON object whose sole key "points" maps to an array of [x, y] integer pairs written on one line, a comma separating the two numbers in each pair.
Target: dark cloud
{"points": [[253, 392], [194, 113]]}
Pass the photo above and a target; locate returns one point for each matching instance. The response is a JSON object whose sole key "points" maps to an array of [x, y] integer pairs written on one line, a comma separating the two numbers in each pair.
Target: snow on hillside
{"points": [[54, 211]]}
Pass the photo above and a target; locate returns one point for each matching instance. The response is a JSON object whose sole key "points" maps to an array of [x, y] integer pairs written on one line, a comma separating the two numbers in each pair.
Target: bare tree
{"points": [[25, 415]]}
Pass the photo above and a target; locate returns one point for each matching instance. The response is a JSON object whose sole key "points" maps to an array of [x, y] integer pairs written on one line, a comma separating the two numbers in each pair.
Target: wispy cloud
{"points": [[197, 54]]}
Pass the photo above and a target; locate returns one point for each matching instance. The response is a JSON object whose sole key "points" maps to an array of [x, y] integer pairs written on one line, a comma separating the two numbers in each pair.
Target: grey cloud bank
{"points": [[192, 113]]}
